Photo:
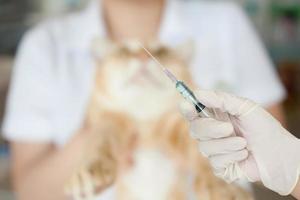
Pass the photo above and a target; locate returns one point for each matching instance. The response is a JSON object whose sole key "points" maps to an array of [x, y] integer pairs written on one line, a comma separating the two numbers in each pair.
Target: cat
{"points": [[140, 142]]}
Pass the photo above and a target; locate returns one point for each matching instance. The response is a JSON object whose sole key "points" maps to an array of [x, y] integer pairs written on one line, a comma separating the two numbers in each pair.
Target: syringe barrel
{"points": [[189, 96]]}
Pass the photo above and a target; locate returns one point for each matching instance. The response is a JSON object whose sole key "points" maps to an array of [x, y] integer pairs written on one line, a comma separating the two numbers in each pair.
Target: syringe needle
{"points": [[170, 75], [148, 52], [182, 88], [165, 70]]}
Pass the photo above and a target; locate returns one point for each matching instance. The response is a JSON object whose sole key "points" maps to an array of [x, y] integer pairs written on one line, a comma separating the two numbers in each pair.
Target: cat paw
{"points": [[88, 182], [81, 186]]}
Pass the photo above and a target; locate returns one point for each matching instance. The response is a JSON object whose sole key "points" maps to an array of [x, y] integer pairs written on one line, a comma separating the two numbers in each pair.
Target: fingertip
{"points": [[188, 110], [203, 128], [242, 155], [193, 135], [202, 150], [241, 142], [197, 132], [226, 127]]}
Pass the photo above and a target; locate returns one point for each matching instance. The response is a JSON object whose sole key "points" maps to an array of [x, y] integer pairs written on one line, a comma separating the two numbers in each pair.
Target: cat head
{"points": [[129, 80]]}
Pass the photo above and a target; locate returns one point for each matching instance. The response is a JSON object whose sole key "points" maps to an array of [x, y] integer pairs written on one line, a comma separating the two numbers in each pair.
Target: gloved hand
{"points": [[250, 144]]}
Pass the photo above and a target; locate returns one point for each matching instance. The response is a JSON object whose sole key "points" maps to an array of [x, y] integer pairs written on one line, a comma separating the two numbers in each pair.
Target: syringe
{"points": [[184, 90], [189, 95]]}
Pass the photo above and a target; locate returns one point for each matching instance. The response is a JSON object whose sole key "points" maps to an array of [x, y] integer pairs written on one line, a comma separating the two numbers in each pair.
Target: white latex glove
{"points": [[251, 144]]}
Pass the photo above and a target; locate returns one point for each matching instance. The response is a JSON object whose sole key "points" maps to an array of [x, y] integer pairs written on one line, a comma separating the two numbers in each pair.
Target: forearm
{"points": [[45, 178], [296, 191]]}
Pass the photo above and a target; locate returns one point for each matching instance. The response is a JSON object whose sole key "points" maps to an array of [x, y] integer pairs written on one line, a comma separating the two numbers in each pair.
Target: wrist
{"points": [[296, 191]]}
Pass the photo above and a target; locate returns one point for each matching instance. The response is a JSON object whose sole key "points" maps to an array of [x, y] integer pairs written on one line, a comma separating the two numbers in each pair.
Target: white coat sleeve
{"points": [[256, 73], [29, 109]]}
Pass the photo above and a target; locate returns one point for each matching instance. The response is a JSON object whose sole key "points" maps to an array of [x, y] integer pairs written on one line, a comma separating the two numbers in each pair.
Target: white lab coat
{"points": [[53, 72]]}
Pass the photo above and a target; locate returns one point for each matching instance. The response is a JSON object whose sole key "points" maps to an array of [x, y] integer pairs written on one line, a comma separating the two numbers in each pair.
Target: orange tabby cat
{"points": [[140, 142]]}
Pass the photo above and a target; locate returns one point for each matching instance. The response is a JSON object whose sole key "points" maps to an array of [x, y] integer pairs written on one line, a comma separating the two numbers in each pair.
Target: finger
{"points": [[87, 182], [222, 161], [208, 128], [222, 146], [188, 110], [225, 102], [76, 189]]}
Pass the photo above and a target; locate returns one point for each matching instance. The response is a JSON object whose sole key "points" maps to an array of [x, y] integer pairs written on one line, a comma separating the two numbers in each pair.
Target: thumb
{"points": [[231, 104]]}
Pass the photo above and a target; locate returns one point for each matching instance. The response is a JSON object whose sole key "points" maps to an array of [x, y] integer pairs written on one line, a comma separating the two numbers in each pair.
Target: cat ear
{"points": [[186, 50], [103, 47]]}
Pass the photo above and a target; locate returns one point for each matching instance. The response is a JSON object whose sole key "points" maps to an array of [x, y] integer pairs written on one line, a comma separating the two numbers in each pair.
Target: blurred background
{"points": [[277, 21]]}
